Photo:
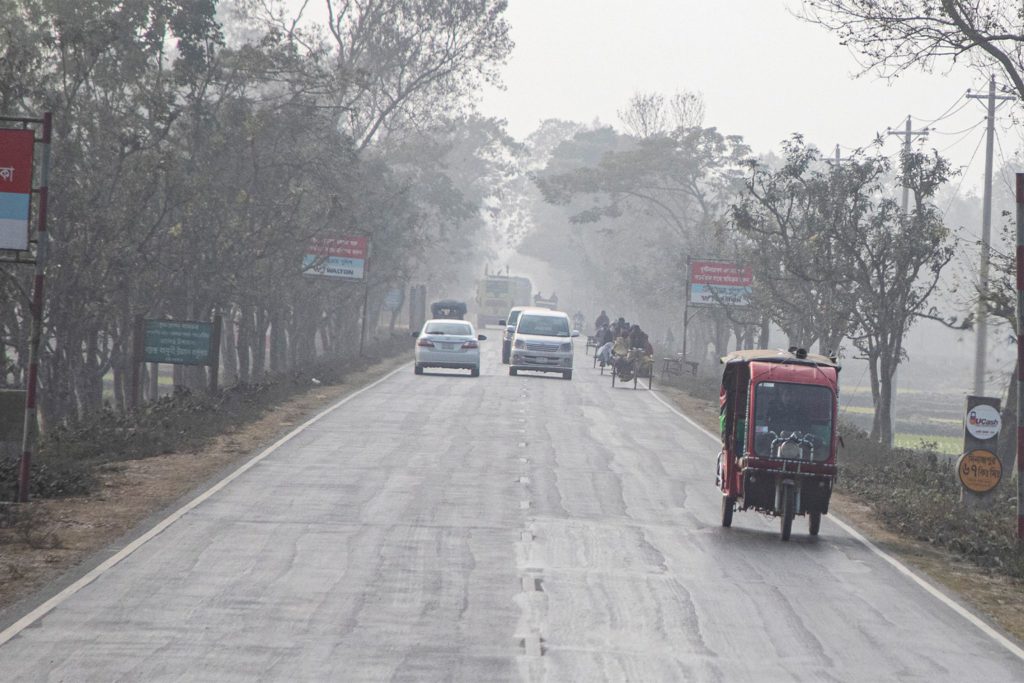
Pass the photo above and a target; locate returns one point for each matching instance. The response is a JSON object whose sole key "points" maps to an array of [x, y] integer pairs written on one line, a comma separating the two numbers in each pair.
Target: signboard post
{"points": [[1020, 357], [342, 258], [15, 210], [979, 468]]}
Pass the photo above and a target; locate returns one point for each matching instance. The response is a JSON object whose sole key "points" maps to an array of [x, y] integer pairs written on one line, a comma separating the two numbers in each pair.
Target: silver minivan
{"points": [[542, 342]]}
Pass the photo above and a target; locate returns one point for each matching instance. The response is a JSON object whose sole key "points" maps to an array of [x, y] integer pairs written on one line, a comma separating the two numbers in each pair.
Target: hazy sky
{"points": [[764, 74]]}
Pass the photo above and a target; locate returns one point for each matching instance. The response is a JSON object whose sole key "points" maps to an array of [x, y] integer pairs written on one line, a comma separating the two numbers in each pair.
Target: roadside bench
{"points": [[677, 364]]}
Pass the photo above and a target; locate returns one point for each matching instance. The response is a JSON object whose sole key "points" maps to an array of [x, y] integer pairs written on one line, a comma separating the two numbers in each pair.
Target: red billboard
{"points": [[16, 147], [336, 257], [345, 247], [714, 283]]}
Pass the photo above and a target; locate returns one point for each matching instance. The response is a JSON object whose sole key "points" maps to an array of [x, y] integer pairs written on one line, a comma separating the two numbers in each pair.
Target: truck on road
{"points": [[496, 294]]}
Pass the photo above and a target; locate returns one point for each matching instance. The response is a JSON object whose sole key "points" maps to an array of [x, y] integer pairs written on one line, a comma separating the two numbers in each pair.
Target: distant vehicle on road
{"points": [[510, 329], [449, 309], [445, 343], [550, 303], [542, 342], [497, 293]]}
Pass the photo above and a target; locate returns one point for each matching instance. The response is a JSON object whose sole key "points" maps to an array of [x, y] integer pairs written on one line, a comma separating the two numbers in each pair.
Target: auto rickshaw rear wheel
{"points": [[728, 502], [788, 511], [815, 523]]}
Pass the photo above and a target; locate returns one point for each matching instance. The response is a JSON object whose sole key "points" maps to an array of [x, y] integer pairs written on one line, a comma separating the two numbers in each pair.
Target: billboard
{"points": [[336, 257], [720, 283], [182, 342], [16, 147]]}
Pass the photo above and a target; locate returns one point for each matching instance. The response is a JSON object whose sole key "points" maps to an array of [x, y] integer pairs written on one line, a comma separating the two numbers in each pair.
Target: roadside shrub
{"points": [[917, 494]]}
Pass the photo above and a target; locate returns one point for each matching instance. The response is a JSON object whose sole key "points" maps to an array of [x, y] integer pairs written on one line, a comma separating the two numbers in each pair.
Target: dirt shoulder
{"points": [[49, 538], [997, 597]]}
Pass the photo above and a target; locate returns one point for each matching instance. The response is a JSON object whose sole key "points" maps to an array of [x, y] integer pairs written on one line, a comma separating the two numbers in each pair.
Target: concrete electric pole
{"points": [[981, 314], [908, 134]]}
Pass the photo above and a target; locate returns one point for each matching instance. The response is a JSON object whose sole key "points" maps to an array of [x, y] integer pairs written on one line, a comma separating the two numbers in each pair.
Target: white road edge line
{"points": [[896, 564], [51, 604]]}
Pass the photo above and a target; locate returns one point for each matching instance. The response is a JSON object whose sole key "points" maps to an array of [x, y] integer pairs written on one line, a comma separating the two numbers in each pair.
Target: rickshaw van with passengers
{"points": [[778, 413]]}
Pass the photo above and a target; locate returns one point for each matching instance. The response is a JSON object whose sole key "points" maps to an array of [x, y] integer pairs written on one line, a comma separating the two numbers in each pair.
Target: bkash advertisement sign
{"points": [[341, 258], [16, 147], [720, 283]]}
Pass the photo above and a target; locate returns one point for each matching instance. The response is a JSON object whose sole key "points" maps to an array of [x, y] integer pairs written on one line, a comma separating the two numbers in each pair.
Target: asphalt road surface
{"points": [[500, 528]]}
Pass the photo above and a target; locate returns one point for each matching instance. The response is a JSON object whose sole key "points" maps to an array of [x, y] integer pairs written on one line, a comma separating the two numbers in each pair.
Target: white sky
{"points": [[763, 73]]}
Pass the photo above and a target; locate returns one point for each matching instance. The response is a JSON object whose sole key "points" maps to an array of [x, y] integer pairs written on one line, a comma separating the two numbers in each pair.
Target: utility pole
{"points": [[908, 134], [981, 314]]}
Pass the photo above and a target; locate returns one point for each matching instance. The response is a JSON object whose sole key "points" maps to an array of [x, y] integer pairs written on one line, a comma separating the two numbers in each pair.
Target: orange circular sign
{"points": [[979, 471]]}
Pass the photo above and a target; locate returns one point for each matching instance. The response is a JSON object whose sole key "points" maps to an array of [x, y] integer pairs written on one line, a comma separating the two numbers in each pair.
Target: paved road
{"points": [[443, 527]]}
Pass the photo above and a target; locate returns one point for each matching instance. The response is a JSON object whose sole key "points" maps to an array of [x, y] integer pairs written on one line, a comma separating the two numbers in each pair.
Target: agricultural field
{"points": [[930, 419]]}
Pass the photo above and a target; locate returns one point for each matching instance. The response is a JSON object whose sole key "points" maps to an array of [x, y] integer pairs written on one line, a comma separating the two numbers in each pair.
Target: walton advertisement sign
{"points": [[720, 283], [16, 147], [341, 257]]}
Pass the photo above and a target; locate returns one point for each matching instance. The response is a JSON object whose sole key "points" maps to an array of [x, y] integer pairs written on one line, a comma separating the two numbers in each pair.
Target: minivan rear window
{"points": [[544, 325]]}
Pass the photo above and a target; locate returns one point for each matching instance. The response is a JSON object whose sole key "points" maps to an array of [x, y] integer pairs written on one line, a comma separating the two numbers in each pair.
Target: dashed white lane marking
{"points": [[896, 564], [48, 606], [524, 504]]}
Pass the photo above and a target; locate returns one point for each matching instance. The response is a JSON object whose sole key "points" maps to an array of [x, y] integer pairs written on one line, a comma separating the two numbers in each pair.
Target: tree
{"points": [[898, 261], [637, 207], [836, 256], [891, 36], [395, 65], [790, 218]]}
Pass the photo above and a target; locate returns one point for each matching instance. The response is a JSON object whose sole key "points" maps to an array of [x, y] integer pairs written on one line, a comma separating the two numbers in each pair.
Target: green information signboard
{"points": [[181, 342]]}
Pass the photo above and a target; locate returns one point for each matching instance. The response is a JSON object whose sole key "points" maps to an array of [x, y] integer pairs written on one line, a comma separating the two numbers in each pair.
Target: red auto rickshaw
{"points": [[778, 424]]}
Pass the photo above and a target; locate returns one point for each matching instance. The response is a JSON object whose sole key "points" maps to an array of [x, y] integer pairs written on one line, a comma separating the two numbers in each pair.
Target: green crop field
{"points": [[950, 445]]}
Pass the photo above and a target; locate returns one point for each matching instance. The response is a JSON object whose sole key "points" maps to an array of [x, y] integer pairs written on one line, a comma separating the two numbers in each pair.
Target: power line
{"points": [[963, 175], [958, 132], [962, 138], [946, 114]]}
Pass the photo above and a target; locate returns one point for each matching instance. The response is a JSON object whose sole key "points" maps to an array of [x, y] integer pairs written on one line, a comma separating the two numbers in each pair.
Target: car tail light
{"points": [[425, 342], [470, 345]]}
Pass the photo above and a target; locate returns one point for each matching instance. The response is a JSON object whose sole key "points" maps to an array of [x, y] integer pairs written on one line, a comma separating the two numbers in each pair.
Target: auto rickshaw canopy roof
{"points": [[779, 356]]}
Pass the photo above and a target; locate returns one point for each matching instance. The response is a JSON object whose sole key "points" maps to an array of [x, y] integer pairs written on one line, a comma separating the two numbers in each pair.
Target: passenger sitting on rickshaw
{"points": [[620, 350], [605, 339], [638, 339]]}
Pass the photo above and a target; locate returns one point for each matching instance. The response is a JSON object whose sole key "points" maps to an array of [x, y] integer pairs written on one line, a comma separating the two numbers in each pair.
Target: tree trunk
{"points": [[259, 345], [875, 395], [886, 369], [242, 344], [765, 336], [153, 380], [228, 349]]}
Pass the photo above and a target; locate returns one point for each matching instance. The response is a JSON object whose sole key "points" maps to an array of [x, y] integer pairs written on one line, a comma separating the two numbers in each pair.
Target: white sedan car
{"points": [[446, 343]]}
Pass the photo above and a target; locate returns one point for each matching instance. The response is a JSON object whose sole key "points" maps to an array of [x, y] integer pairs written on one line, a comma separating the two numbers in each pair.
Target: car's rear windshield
{"points": [[546, 325], [449, 328]]}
